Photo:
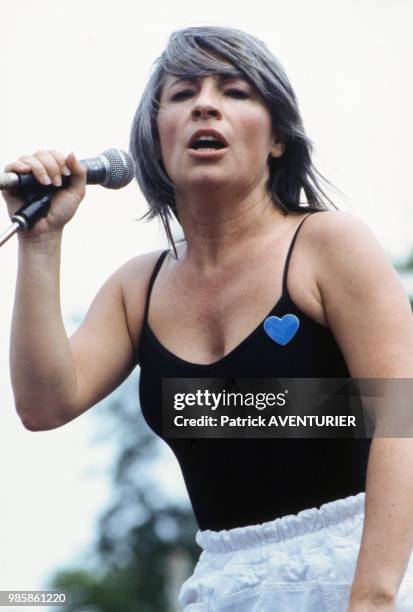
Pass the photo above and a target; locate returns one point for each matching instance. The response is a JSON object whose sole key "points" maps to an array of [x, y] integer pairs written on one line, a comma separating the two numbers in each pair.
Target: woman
{"points": [[219, 142]]}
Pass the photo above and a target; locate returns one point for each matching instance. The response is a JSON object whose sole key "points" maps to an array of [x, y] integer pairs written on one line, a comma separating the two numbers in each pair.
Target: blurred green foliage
{"points": [[406, 268], [141, 532]]}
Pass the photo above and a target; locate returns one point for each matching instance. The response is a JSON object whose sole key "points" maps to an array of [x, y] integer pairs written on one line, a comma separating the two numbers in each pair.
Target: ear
{"points": [[277, 148]]}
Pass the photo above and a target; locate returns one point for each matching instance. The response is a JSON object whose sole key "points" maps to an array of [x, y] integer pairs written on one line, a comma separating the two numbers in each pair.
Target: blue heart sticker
{"points": [[281, 330]]}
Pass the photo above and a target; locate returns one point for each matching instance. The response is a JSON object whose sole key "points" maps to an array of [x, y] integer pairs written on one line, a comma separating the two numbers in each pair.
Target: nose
{"points": [[203, 112], [206, 103]]}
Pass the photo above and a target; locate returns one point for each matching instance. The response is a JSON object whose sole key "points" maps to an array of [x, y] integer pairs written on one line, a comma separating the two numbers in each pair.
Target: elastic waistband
{"points": [[284, 528]]}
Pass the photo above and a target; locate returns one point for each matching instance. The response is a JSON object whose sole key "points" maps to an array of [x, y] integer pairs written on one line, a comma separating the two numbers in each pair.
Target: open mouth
{"points": [[207, 143], [207, 140]]}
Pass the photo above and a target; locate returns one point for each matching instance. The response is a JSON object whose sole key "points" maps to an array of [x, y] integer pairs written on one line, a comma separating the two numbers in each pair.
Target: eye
{"points": [[182, 95], [241, 94]]}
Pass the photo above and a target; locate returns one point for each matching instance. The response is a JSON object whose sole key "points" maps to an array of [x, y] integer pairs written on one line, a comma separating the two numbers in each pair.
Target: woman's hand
{"points": [[48, 167]]}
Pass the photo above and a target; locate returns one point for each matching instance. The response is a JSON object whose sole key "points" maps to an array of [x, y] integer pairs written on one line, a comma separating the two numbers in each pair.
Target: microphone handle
{"points": [[98, 170], [37, 196], [28, 214], [113, 169], [29, 185], [37, 199]]}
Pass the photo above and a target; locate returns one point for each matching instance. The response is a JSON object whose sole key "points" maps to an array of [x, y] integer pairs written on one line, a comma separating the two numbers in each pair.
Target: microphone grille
{"points": [[120, 168]]}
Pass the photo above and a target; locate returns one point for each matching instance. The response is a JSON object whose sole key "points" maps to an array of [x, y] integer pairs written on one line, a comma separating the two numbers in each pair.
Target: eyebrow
{"points": [[221, 76]]}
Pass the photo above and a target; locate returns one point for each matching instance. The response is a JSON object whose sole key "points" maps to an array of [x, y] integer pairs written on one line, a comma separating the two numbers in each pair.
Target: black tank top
{"points": [[234, 482]]}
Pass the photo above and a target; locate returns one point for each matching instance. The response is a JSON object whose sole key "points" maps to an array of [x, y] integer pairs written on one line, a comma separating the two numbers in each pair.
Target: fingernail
{"points": [[57, 180], [66, 171], [46, 180]]}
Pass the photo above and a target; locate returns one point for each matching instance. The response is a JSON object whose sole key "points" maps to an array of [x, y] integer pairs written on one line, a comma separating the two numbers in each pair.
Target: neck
{"points": [[219, 227]]}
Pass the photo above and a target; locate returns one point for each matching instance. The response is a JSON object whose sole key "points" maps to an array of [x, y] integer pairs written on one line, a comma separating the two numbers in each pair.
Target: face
{"points": [[232, 111]]}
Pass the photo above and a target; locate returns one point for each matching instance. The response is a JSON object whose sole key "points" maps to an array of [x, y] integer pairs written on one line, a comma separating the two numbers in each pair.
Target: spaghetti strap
{"points": [[151, 282], [290, 250]]}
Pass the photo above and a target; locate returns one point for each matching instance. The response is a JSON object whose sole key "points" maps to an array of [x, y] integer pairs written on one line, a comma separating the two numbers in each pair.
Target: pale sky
{"points": [[72, 74]]}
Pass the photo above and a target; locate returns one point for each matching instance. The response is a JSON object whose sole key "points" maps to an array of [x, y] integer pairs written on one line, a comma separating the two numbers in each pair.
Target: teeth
{"points": [[202, 140], [207, 142]]}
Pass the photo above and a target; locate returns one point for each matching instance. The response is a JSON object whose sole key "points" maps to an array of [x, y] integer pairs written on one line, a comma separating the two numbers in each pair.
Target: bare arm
{"points": [[42, 369], [56, 378], [370, 316]]}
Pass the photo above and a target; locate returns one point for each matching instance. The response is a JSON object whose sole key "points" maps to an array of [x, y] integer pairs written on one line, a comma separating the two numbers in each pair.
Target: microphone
{"points": [[112, 169]]}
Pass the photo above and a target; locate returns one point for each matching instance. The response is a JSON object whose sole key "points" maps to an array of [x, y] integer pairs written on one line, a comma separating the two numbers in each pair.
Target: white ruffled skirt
{"points": [[297, 563]]}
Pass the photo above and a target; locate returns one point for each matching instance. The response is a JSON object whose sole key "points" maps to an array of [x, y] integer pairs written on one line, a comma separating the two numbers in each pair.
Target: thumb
{"points": [[78, 174]]}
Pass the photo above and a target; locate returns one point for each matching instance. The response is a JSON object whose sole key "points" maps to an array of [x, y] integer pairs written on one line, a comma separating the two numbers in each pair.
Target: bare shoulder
{"points": [[342, 242], [335, 227], [338, 259], [365, 304], [133, 277], [138, 269]]}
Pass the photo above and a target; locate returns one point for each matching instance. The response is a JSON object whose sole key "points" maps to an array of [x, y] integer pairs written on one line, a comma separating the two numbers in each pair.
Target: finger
{"points": [[77, 169], [79, 174], [51, 165], [17, 166], [60, 160], [38, 170]]}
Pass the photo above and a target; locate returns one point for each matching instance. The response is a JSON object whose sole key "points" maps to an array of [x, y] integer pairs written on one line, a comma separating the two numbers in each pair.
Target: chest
{"points": [[202, 320]]}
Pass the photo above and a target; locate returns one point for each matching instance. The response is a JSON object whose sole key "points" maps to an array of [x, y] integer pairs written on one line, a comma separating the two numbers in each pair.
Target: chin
{"points": [[211, 178]]}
